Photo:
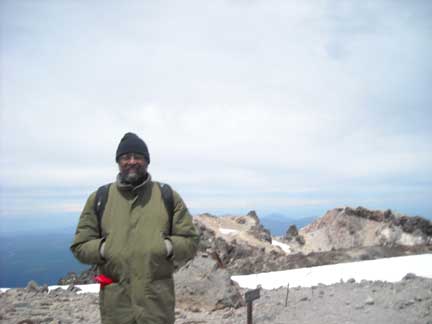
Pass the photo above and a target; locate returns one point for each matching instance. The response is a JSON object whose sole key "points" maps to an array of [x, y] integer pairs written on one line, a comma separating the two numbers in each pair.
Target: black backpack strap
{"points": [[99, 204], [168, 199]]}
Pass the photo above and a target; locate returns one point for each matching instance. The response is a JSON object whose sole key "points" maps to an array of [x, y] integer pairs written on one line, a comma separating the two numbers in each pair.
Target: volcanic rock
{"points": [[344, 228], [206, 286]]}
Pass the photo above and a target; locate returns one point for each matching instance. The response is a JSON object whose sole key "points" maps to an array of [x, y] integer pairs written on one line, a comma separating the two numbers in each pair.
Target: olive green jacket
{"points": [[135, 257]]}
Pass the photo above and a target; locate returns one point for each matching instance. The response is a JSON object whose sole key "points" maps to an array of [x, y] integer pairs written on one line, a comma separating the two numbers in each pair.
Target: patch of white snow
{"points": [[388, 269], [228, 231], [283, 246]]}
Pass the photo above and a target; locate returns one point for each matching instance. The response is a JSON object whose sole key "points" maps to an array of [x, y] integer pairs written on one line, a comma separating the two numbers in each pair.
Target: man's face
{"points": [[133, 168]]}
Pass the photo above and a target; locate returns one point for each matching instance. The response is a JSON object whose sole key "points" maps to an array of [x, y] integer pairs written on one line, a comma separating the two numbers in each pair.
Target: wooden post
{"points": [[249, 313], [250, 296]]}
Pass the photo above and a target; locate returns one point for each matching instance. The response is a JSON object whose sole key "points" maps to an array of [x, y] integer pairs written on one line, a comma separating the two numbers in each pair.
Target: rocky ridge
{"points": [[346, 228], [242, 245]]}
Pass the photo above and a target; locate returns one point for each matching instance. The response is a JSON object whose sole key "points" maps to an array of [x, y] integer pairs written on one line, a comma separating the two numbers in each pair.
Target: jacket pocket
{"points": [[160, 303], [113, 266], [115, 304], [162, 267]]}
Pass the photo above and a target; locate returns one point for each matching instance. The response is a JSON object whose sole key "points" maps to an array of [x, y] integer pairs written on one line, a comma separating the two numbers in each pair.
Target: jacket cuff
{"points": [[184, 248]]}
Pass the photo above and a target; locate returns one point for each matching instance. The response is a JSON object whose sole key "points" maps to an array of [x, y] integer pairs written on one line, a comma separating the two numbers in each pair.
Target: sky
{"points": [[282, 106]]}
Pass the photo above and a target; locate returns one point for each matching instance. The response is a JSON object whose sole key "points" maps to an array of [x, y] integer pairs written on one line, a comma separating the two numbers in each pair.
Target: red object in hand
{"points": [[103, 280]]}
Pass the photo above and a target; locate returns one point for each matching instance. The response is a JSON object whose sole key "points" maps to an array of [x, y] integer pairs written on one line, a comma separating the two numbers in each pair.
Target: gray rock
{"points": [[17, 305], [85, 277], [369, 301], [409, 276], [291, 233], [406, 303], [259, 231], [203, 284], [34, 287], [73, 288]]}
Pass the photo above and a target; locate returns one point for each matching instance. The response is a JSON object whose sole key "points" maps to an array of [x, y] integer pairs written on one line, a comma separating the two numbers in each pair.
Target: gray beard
{"points": [[132, 178]]}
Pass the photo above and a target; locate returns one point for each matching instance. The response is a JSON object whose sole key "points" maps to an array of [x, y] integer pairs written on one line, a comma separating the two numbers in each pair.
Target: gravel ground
{"points": [[28, 306], [406, 302]]}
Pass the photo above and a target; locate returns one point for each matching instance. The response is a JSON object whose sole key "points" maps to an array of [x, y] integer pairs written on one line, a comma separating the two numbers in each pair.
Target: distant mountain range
{"points": [[278, 223]]}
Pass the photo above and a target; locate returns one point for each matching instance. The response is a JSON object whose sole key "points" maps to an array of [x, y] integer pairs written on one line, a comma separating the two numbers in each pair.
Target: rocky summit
{"points": [[345, 228], [243, 246]]}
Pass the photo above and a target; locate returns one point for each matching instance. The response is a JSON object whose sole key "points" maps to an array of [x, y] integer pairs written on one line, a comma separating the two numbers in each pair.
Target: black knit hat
{"points": [[131, 143]]}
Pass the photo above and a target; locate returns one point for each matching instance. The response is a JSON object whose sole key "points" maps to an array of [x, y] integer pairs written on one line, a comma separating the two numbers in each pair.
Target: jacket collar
{"points": [[131, 188]]}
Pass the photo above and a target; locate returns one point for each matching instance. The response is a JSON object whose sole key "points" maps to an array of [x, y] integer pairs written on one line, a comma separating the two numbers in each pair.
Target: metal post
{"points": [[286, 298]]}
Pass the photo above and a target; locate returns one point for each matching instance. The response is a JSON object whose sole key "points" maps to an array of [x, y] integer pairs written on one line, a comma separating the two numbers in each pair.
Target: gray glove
{"points": [[102, 249], [169, 247]]}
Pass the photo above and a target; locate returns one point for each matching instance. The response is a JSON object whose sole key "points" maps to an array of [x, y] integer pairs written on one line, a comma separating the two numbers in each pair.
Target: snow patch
{"points": [[389, 269], [228, 231], [410, 240], [91, 288], [283, 246]]}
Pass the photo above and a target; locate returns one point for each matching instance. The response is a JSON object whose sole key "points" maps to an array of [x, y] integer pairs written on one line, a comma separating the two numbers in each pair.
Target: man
{"points": [[133, 246]]}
